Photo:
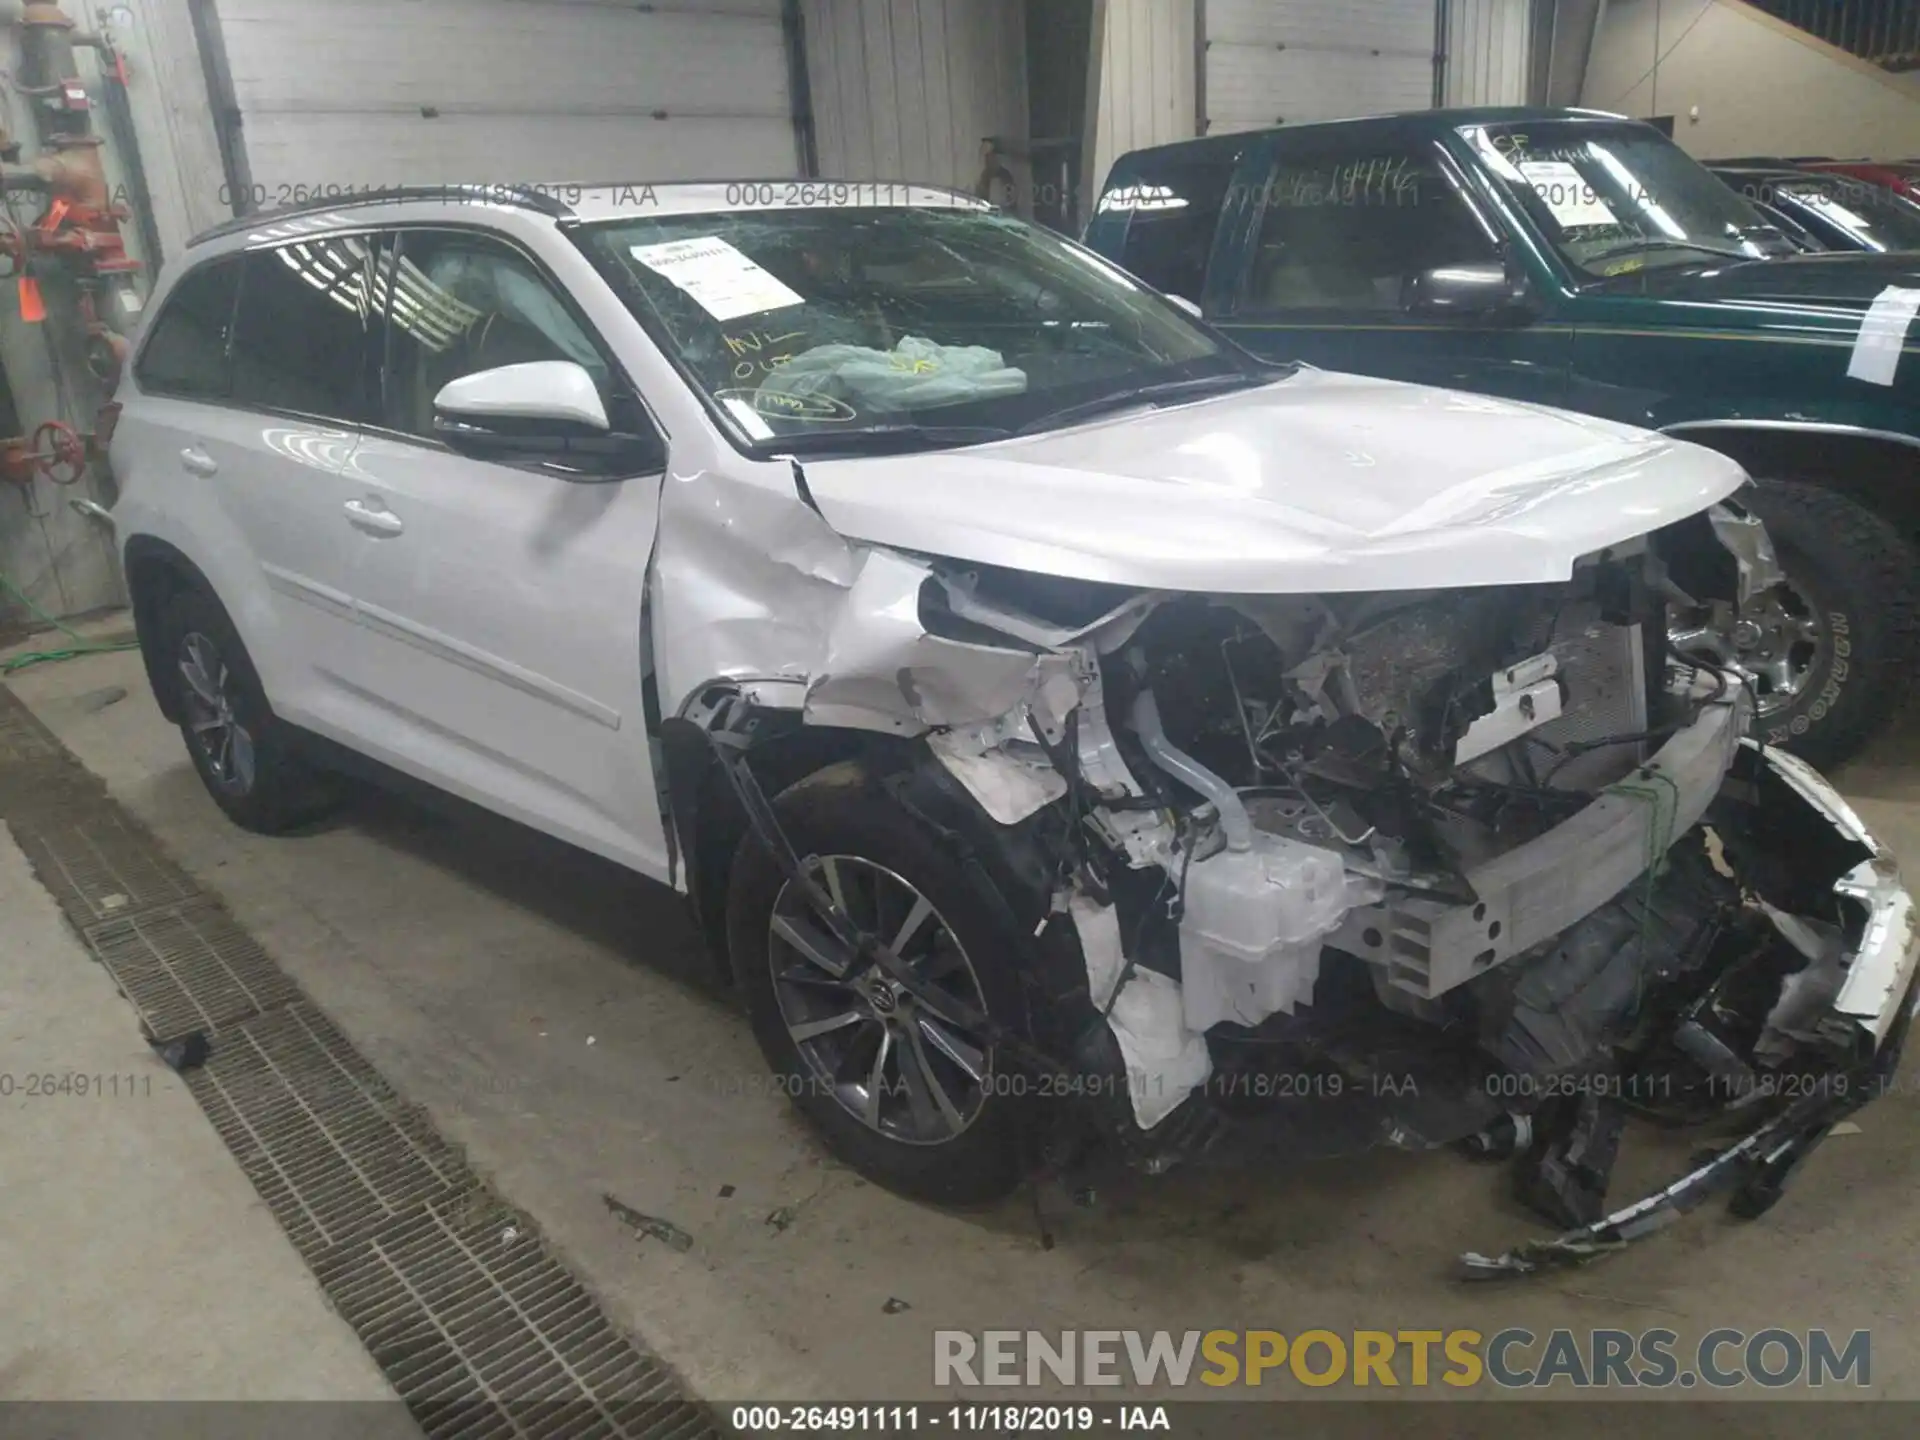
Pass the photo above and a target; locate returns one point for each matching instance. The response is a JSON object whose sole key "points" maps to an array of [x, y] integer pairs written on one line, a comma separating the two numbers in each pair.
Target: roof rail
{"points": [[474, 194]]}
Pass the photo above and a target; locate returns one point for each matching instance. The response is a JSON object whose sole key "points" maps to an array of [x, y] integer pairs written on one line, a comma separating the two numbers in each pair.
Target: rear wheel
{"points": [[908, 1089], [1826, 655], [243, 752]]}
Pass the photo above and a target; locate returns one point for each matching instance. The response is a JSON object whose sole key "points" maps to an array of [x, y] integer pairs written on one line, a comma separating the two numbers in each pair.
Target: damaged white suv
{"points": [[1076, 736]]}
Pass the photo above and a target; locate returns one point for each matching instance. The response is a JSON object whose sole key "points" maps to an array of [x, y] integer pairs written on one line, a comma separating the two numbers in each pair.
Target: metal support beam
{"points": [[225, 104]]}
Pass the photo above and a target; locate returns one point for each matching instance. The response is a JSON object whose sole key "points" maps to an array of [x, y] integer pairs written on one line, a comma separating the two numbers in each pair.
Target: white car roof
{"points": [[576, 200]]}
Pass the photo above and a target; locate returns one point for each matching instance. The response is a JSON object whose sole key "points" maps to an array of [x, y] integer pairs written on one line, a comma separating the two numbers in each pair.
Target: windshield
{"points": [[1620, 199], [1871, 217], [919, 325]]}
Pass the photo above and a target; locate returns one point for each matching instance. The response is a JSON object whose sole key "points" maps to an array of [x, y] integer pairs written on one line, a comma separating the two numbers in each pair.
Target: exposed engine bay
{"points": [[1482, 866]]}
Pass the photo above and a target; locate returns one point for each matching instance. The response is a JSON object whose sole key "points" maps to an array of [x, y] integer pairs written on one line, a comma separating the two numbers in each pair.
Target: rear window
{"points": [[185, 354], [1171, 204]]}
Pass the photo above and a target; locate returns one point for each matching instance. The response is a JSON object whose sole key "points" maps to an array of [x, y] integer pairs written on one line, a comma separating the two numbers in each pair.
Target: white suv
{"points": [[1039, 698]]}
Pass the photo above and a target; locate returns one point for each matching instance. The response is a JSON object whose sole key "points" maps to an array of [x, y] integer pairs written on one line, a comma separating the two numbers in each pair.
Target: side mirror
{"points": [[1185, 304], [1477, 292], [555, 391], [545, 415]]}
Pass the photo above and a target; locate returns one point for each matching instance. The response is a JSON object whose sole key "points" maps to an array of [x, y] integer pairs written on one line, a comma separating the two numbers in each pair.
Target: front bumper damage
{"points": [[1867, 1001], [1712, 928]]}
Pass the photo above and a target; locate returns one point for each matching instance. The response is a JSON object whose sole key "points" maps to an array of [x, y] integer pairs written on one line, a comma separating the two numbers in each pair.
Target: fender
{"points": [[150, 563], [1804, 427]]}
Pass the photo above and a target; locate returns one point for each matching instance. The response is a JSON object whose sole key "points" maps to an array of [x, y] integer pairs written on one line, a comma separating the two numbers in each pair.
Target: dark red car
{"points": [[1902, 176]]}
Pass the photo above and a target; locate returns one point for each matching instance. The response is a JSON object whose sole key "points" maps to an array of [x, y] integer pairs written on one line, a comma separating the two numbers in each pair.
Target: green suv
{"points": [[1582, 260]]}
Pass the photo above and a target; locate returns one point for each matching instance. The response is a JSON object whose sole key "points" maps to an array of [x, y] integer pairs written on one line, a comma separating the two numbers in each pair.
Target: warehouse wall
{"points": [[1144, 78], [63, 562], [1271, 62], [167, 93], [907, 89], [1761, 86], [1489, 51], [370, 92]]}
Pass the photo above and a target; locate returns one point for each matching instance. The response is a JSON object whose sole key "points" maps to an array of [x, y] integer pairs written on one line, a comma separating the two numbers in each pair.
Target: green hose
{"points": [[82, 645]]}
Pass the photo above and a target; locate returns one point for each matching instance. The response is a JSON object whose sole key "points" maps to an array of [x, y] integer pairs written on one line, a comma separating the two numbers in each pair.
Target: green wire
{"points": [[36, 657]]}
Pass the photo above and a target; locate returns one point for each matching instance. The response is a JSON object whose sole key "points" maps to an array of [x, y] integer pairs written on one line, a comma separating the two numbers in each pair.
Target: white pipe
{"points": [[1189, 771]]}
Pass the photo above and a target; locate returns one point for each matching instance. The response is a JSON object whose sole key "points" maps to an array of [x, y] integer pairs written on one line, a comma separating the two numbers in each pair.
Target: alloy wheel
{"points": [[901, 1063], [224, 743]]}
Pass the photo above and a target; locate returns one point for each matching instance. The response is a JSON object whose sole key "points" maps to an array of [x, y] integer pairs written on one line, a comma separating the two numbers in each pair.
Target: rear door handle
{"points": [[198, 461], [373, 518]]}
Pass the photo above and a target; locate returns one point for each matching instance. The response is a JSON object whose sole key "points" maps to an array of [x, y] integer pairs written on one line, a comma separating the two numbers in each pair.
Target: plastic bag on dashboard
{"points": [[914, 374]]}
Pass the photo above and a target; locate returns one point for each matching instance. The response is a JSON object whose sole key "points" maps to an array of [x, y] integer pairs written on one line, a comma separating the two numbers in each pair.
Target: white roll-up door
{"points": [[1489, 51], [1284, 62], [387, 92]]}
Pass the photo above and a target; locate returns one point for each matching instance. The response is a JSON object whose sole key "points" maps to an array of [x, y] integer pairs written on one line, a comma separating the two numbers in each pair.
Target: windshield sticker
{"points": [[724, 282], [782, 405], [1883, 335], [1568, 197]]}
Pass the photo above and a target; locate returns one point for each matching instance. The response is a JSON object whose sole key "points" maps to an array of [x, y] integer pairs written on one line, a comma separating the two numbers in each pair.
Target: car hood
{"points": [[1841, 281], [1318, 482]]}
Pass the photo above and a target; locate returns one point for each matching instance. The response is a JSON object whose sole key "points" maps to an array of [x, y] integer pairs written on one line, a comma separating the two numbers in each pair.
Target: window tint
{"points": [[186, 354], [301, 342], [1172, 203], [1347, 231], [463, 302]]}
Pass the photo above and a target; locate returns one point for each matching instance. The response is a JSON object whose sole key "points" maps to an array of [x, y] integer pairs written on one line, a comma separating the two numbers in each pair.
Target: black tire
{"points": [[1856, 573], [274, 789], [843, 811]]}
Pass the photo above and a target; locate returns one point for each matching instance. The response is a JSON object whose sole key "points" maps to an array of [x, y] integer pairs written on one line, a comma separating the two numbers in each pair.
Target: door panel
{"points": [[499, 606], [301, 368]]}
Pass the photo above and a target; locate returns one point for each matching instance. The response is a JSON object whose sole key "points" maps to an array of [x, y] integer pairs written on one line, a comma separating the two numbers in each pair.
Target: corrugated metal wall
{"points": [[1272, 62], [907, 89], [1489, 51], [1145, 77], [373, 92]]}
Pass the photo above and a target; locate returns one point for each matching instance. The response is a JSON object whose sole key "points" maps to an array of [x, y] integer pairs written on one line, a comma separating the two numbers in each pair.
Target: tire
{"points": [[870, 841], [1853, 574], [244, 754]]}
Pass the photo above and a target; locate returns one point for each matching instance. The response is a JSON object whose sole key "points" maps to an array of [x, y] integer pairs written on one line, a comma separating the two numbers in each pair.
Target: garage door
{"points": [[1274, 62], [380, 92]]}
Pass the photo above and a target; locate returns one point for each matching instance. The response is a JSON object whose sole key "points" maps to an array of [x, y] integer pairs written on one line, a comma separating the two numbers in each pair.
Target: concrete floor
{"points": [[123, 1211], [547, 1009]]}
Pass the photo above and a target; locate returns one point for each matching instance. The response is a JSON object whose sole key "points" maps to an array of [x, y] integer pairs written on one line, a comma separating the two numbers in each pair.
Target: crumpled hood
{"points": [[1319, 482]]}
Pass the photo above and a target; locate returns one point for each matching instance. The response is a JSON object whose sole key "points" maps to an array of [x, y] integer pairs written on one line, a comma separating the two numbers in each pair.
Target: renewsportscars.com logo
{"points": [[1514, 1358]]}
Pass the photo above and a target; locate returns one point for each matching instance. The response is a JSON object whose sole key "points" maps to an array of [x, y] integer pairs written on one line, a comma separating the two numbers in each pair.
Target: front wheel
{"points": [[1826, 654], [908, 1089]]}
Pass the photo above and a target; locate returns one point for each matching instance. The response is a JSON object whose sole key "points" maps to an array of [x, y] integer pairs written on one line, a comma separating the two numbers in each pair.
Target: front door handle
{"points": [[198, 461], [373, 517]]}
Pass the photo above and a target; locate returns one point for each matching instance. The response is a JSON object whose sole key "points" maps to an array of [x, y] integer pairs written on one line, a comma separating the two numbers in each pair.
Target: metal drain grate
{"points": [[464, 1309], [23, 739], [36, 773], [189, 967], [98, 864], [328, 1144], [482, 1331]]}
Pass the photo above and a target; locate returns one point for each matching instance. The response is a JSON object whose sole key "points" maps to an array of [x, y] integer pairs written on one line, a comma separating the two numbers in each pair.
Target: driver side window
{"points": [[1347, 230], [458, 302]]}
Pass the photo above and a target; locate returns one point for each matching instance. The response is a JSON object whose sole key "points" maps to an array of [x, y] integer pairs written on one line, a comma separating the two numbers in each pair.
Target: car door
{"points": [[501, 603], [269, 461], [1329, 238]]}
